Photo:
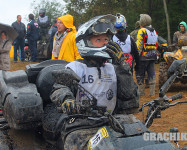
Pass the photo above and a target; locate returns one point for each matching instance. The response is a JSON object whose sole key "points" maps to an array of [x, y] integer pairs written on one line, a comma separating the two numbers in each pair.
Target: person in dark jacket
{"points": [[19, 42], [52, 32], [32, 36], [125, 41]]}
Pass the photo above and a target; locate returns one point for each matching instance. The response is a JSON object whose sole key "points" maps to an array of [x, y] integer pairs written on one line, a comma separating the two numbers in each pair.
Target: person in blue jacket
{"points": [[32, 36]]}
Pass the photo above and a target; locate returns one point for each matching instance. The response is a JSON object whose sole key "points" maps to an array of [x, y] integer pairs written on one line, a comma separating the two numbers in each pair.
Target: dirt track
{"points": [[173, 117]]}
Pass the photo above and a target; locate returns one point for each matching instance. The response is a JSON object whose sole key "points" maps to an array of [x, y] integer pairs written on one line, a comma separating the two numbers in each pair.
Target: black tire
{"points": [[33, 70], [163, 73], [45, 81]]}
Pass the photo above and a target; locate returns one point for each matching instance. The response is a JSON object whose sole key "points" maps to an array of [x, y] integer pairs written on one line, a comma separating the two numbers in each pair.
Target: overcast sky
{"points": [[11, 8]]}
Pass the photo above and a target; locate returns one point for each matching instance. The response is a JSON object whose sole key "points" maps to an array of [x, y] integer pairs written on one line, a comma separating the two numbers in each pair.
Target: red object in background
{"points": [[128, 58], [26, 47]]}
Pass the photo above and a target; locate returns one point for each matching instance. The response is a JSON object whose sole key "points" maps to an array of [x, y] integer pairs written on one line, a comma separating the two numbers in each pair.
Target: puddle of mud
{"points": [[23, 140]]}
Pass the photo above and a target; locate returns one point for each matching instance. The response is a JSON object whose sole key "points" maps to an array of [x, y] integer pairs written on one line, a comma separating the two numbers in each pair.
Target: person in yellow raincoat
{"points": [[64, 47]]}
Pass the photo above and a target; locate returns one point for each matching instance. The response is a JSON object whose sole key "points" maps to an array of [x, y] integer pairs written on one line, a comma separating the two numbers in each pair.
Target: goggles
{"points": [[103, 27]]}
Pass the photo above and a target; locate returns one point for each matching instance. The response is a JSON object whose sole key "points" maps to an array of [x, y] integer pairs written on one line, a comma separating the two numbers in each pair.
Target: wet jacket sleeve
{"points": [[134, 51], [127, 90], [140, 40], [60, 93]]}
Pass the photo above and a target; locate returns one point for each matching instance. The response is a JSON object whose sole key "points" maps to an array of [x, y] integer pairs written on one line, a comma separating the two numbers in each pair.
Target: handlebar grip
{"points": [[176, 96]]}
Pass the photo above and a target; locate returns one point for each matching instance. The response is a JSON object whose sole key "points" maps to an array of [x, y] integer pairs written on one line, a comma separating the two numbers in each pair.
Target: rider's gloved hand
{"points": [[70, 107], [114, 50]]}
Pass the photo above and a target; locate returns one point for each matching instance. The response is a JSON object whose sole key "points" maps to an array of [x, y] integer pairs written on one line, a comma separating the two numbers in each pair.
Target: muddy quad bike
{"points": [[120, 131], [24, 95], [169, 57], [43, 51]]}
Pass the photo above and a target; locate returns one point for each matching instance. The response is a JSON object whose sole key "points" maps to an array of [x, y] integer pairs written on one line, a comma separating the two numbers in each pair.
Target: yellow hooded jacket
{"points": [[68, 51]]}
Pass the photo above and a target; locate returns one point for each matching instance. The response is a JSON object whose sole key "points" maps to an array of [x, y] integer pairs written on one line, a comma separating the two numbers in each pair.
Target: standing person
{"points": [[135, 32], [125, 41], [134, 35], [112, 85], [44, 23], [52, 31], [147, 44], [5, 46], [19, 42], [182, 32], [64, 46], [32, 36]]}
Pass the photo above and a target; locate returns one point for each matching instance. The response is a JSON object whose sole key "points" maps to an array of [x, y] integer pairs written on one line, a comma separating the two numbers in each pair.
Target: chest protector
{"points": [[104, 89], [150, 40], [43, 20], [125, 46]]}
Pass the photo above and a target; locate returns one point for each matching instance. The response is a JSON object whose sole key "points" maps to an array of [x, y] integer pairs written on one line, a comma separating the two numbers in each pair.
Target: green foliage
{"points": [[83, 10], [53, 8]]}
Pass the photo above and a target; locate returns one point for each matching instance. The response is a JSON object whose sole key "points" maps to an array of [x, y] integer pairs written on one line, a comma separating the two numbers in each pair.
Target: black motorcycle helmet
{"points": [[42, 12]]}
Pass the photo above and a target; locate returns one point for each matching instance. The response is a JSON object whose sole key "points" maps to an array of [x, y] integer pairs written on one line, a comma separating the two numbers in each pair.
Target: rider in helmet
{"points": [[112, 85], [125, 41], [182, 32], [44, 24], [147, 44]]}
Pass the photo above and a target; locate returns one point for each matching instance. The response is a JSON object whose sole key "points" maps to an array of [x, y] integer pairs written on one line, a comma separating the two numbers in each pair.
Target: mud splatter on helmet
{"points": [[96, 26]]}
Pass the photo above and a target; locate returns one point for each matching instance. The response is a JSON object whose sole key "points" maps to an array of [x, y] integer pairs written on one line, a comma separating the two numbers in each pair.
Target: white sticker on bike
{"points": [[101, 134]]}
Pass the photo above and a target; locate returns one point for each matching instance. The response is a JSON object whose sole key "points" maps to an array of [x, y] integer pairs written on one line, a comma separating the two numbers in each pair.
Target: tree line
{"points": [[83, 10]]}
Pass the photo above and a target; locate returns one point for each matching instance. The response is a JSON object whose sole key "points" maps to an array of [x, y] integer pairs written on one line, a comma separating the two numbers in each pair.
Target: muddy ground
{"points": [[173, 117]]}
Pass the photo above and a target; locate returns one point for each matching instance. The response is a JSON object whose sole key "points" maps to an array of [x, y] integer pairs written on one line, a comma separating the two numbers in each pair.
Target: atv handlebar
{"points": [[176, 96], [157, 105]]}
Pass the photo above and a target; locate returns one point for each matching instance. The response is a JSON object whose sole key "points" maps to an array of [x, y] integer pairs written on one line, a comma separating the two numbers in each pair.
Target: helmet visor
{"points": [[103, 27]]}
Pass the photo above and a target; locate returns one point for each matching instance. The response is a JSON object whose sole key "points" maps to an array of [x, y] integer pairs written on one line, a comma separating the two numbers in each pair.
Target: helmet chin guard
{"points": [[96, 26]]}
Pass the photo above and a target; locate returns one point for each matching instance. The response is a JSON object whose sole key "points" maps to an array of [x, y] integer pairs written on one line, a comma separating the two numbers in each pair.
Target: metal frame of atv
{"points": [[161, 103]]}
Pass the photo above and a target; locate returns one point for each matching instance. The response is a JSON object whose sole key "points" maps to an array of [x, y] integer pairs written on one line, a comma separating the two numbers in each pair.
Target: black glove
{"points": [[71, 107], [114, 50]]}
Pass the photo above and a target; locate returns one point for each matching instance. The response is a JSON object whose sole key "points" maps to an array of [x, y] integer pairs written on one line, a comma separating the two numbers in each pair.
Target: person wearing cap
{"points": [[182, 32], [64, 46], [112, 85], [135, 32], [147, 44]]}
